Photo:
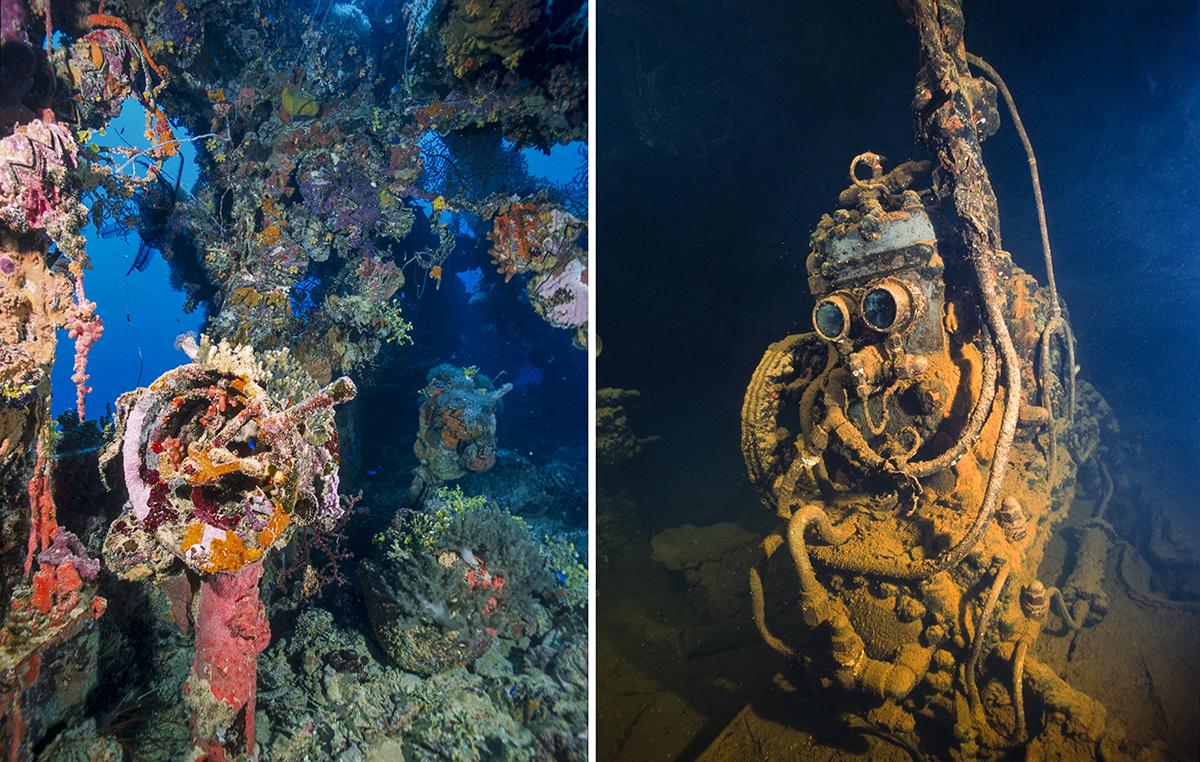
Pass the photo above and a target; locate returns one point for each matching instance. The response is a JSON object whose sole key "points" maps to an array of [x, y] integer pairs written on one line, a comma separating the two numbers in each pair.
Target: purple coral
{"points": [[358, 202], [14, 16], [67, 547], [314, 189], [348, 196], [258, 511], [33, 164], [185, 34]]}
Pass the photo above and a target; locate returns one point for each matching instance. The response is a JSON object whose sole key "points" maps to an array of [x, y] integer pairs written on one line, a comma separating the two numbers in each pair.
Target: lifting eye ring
{"points": [[887, 307], [831, 316]]}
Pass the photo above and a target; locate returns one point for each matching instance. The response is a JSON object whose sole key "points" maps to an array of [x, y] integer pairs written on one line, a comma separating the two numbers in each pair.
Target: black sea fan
{"points": [[155, 216]]}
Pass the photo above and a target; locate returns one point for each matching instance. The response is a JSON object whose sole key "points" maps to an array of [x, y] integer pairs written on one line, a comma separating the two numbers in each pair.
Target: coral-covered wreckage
{"points": [[218, 473], [921, 448], [343, 149], [457, 426]]}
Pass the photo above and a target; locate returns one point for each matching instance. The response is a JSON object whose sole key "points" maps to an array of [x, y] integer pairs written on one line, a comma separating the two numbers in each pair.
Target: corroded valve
{"points": [[217, 471]]}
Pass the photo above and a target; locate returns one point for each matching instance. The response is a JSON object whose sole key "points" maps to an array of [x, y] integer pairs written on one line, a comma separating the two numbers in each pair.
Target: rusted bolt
{"points": [[1011, 518], [909, 609], [933, 634], [1034, 600]]}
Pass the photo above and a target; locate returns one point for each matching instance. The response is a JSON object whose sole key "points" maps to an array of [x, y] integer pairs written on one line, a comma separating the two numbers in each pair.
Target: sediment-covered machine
{"points": [[921, 446]]}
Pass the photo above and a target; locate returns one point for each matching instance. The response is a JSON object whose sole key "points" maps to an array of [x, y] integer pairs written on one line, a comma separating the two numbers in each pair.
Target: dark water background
{"points": [[725, 131]]}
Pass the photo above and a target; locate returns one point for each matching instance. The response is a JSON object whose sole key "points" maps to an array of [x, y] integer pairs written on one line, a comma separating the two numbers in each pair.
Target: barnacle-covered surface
{"points": [[219, 474], [353, 157]]}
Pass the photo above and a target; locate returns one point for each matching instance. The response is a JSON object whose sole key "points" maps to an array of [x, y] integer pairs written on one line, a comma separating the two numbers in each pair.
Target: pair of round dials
{"points": [[885, 307]]}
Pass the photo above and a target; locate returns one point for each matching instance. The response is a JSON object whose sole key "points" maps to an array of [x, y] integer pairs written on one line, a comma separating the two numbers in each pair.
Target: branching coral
{"points": [[108, 65], [316, 554], [85, 328]]}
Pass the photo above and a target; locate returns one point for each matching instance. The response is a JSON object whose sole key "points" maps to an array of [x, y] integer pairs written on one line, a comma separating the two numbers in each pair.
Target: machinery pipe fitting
{"points": [[809, 515], [1034, 600], [1011, 518], [855, 670]]}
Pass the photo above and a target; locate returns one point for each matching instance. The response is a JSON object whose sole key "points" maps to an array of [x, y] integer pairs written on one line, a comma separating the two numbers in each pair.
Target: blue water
{"points": [[142, 314], [380, 70], [558, 165]]}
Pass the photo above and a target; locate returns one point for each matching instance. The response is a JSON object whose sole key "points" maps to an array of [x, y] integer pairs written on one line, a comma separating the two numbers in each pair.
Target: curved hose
{"points": [[995, 79], [806, 516], [1056, 323], [854, 669], [953, 555], [1019, 684], [943, 102], [1144, 597], [808, 400], [884, 679], [842, 428], [1073, 620], [884, 399], [1008, 425], [758, 602], [975, 424], [985, 618]]}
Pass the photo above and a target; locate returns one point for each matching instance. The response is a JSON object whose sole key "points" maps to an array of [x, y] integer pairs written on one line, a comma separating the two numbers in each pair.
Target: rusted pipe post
{"points": [[231, 631]]}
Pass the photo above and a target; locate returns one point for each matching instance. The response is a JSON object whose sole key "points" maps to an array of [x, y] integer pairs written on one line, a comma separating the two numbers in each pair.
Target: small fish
{"points": [[372, 472]]}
